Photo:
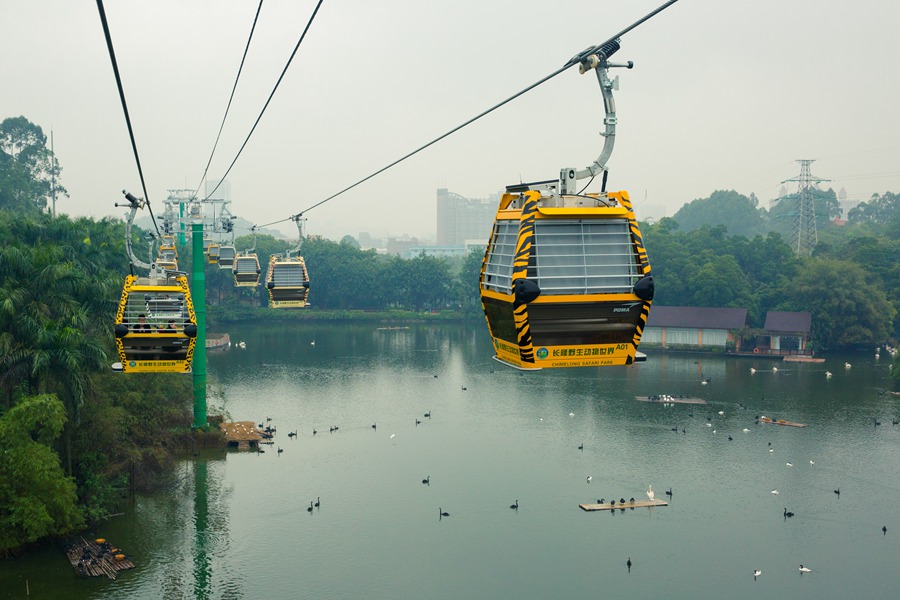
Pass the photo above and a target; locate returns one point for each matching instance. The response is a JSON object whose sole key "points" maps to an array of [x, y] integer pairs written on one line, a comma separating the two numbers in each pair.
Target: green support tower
{"points": [[198, 287]]}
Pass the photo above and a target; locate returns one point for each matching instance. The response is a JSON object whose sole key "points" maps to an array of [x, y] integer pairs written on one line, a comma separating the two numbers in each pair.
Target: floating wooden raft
{"points": [[618, 505], [670, 400], [781, 422], [91, 559]]}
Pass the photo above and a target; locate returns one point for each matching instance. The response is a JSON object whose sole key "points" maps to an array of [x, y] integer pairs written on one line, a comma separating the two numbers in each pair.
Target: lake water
{"points": [[236, 525]]}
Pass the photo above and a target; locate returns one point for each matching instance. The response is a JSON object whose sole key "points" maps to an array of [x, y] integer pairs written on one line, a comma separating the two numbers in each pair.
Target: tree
{"points": [[740, 214], [36, 498], [27, 167], [846, 309]]}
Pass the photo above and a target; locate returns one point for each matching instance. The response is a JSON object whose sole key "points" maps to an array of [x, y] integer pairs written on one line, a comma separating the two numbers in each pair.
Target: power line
{"points": [[571, 62], [277, 83], [115, 66], [230, 98]]}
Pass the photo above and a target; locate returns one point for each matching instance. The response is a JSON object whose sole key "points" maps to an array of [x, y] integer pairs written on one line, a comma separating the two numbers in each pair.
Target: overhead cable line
{"points": [[571, 62], [227, 108], [277, 83], [115, 66]]}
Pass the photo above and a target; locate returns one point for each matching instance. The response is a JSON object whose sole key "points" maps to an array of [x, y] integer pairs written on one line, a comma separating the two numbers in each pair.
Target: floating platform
{"points": [[218, 342], [619, 505], [781, 422], [670, 400], [96, 558], [244, 434], [803, 358]]}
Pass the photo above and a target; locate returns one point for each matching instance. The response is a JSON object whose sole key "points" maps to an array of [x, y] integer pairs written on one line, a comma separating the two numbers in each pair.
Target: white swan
{"points": [[650, 493], [805, 569], [847, 365], [756, 573], [775, 492]]}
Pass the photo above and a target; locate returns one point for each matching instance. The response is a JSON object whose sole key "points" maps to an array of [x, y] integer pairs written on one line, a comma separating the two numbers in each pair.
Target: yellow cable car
{"points": [[287, 279], [246, 270], [287, 282], [156, 327], [167, 264], [565, 280], [167, 245], [212, 253]]}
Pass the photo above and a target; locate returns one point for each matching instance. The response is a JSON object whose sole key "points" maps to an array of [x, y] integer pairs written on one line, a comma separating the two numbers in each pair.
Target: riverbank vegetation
{"points": [[77, 439]]}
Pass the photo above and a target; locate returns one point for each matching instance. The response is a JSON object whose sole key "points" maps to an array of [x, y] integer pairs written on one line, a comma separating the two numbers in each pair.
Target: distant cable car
{"points": [[167, 264], [167, 246], [212, 253], [246, 266], [565, 280], [155, 325], [226, 257], [287, 279]]}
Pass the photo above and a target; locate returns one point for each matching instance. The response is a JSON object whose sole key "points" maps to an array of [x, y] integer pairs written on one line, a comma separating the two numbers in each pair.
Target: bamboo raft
{"points": [[619, 505], [90, 559], [781, 422], [670, 400]]}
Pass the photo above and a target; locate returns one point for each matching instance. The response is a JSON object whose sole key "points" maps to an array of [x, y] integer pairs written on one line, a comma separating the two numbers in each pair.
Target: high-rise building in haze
{"points": [[460, 219]]}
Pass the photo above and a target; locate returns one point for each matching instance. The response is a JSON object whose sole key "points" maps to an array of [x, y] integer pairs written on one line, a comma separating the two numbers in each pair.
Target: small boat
{"points": [[780, 422]]}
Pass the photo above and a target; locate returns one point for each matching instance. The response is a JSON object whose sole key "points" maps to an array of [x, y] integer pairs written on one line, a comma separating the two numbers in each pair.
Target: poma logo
{"points": [[626, 307], [542, 353]]}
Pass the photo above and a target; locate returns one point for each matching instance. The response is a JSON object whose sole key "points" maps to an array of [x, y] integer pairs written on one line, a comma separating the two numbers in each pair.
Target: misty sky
{"points": [[724, 94]]}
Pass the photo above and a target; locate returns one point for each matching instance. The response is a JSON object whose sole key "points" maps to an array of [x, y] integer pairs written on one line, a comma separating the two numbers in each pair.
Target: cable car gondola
{"points": [[167, 246], [287, 279], [226, 257], [565, 280], [155, 325], [246, 267], [212, 253]]}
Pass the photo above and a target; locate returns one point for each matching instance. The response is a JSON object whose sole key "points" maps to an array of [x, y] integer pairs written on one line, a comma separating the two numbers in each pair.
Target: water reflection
{"points": [[497, 436]]}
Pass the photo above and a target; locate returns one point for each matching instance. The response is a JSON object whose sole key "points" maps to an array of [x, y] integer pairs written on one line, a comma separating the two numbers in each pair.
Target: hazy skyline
{"points": [[724, 95]]}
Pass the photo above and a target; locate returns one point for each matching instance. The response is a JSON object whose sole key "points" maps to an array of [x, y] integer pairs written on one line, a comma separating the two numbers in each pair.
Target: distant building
{"points": [[400, 246], [787, 332], [460, 219], [694, 327]]}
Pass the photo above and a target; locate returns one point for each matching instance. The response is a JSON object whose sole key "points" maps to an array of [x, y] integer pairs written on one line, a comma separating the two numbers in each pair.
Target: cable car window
{"points": [[578, 257], [498, 271]]}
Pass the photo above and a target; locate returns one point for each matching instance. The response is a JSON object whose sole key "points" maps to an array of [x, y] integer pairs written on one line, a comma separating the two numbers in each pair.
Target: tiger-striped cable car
{"points": [[565, 281], [287, 279], [155, 324], [246, 269]]}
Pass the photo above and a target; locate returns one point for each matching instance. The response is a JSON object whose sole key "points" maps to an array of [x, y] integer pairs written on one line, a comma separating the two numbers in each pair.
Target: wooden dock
{"points": [[619, 505], [670, 399], [781, 422], [95, 558]]}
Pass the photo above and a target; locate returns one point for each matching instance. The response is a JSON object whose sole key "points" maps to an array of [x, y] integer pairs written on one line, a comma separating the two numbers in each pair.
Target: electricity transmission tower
{"points": [[804, 236]]}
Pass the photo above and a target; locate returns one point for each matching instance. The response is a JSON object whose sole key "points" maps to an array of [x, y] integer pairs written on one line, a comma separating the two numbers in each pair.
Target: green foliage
{"points": [[881, 210], [846, 310], [740, 214], [27, 167], [36, 498]]}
